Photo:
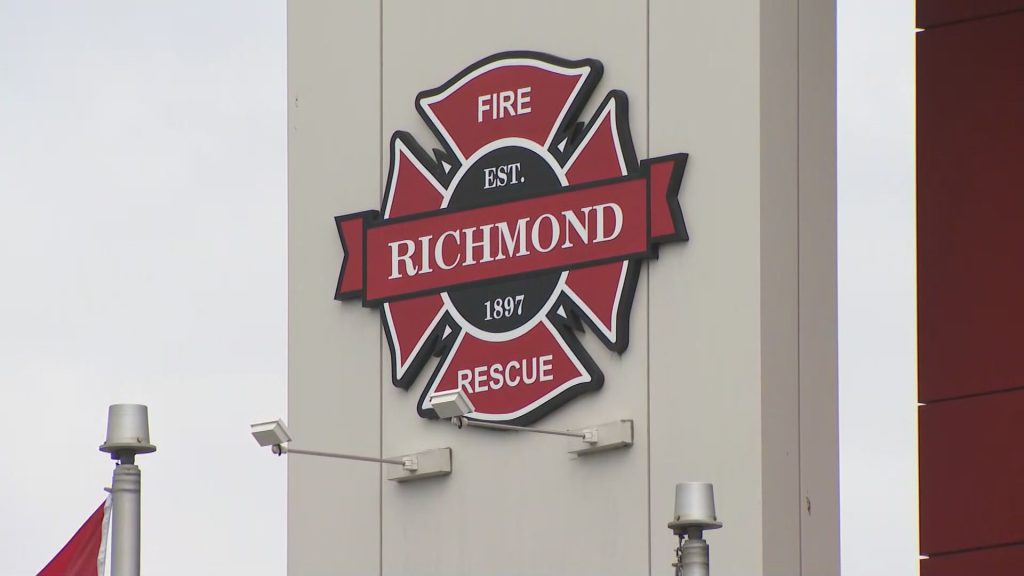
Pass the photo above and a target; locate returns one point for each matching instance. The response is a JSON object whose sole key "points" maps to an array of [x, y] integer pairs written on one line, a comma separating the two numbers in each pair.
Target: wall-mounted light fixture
{"points": [[454, 404], [427, 464], [694, 513]]}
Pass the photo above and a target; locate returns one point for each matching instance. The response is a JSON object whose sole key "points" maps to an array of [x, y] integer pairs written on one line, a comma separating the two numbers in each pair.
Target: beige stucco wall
{"points": [[730, 375]]}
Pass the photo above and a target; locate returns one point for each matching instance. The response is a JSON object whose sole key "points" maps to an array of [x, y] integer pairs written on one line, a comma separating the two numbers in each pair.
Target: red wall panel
{"points": [[1005, 561], [972, 473], [934, 12], [971, 207]]}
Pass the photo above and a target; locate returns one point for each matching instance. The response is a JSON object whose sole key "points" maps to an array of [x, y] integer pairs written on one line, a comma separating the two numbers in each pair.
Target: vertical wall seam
{"points": [[380, 329], [647, 272], [288, 277], [799, 310]]}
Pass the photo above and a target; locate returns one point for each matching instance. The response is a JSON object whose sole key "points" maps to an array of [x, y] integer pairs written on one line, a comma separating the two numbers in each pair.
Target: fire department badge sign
{"points": [[494, 251]]}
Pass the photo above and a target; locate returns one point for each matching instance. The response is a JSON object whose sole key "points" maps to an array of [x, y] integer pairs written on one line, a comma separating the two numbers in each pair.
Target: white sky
{"points": [[142, 242], [877, 288], [142, 239]]}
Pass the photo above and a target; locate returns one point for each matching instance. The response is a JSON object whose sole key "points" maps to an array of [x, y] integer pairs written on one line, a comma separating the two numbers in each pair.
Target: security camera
{"points": [[270, 433]]}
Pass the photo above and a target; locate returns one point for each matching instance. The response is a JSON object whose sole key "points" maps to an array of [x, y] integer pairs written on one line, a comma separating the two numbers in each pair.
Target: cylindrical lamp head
{"points": [[695, 506], [127, 430]]}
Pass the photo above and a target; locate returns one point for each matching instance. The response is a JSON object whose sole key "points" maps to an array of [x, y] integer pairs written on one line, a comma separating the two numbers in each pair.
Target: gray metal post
{"points": [[694, 513], [127, 436], [127, 520], [695, 558]]}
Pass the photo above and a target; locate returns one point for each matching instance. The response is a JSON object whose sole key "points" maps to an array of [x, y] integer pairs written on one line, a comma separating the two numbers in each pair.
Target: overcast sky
{"points": [[142, 238], [877, 288]]}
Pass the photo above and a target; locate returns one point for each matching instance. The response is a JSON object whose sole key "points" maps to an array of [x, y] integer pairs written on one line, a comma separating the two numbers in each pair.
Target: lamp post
{"points": [[127, 436], [694, 513]]}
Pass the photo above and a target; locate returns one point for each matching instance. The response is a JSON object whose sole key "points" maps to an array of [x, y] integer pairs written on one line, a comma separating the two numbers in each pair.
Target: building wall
{"points": [[730, 375], [971, 370]]}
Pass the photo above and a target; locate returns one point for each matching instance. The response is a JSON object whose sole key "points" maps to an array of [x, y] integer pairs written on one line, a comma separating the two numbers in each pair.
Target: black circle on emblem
{"points": [[504, 305]]}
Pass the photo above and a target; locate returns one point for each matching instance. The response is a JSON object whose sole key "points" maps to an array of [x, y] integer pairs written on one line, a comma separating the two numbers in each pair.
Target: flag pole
{"points": [[127, 436]]}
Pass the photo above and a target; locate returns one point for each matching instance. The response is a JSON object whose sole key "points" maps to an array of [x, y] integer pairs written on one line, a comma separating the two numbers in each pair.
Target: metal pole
{"points": [[127, 436], [695, 559], [461, 421], [127, 520], [280, 449], [694, 513]]}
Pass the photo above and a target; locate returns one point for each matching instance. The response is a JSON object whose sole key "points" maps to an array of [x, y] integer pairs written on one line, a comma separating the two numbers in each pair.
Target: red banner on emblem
{"points": [[585, 225]]}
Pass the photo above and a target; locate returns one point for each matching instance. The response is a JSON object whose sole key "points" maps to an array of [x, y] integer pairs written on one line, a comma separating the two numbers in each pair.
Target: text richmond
{"points": [[500, 240]]}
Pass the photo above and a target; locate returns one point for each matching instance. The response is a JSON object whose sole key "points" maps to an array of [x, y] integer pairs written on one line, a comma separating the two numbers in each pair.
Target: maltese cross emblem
{"points": [[525, 228]]}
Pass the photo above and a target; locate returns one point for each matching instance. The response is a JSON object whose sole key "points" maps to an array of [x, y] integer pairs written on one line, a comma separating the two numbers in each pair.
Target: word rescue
{"points": [[501, 104], [500, 240], [511, 374]]}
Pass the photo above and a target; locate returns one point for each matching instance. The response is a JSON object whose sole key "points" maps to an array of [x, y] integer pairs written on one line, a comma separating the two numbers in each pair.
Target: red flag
{"points": [[85, 554]]}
